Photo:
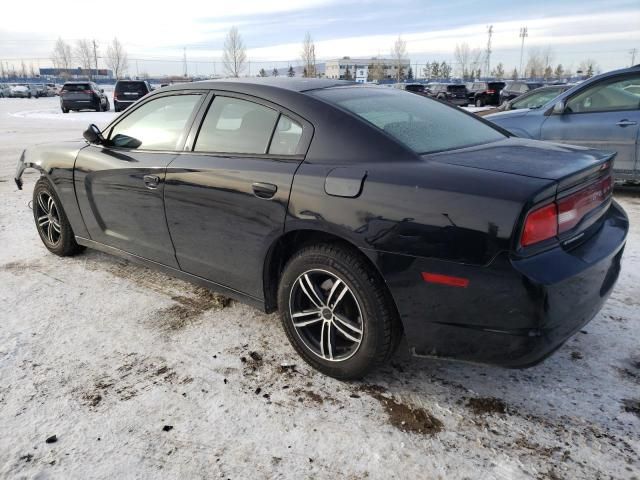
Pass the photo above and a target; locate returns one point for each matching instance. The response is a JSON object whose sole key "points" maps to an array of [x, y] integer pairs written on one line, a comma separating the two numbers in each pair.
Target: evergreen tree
{"points": [[426, 71], [445, 70], [498, 72], [410, 74], [559, 72], [275, 72], [262, 73], [347, 74], [435, 70], [291, 72], [548, 72], [514, 74]]}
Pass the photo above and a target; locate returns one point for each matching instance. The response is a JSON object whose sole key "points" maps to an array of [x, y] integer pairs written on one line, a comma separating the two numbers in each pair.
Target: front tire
{"points": [[336, 311], [51, 221]]}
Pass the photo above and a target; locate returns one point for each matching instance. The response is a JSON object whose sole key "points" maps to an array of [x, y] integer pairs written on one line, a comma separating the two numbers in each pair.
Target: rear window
{"points": [[456, 88], [496, 85], [422, 124], [76, 87], [134, 87]]}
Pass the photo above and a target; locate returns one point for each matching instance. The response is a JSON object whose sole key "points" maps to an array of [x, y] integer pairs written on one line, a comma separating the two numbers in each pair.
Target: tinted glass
{"points": [[156, 125], [136, 87], [418, 122], [496, 85], [286, 137], [608, 95], [236, 126], [537, 98], [76, 87]]}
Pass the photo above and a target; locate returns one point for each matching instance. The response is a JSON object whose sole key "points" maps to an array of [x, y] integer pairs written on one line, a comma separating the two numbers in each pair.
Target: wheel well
{"points": [[286, 246]]}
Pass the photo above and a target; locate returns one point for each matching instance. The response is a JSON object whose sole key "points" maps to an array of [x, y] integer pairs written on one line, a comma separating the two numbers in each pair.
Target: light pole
{"points": [[523, 35]]}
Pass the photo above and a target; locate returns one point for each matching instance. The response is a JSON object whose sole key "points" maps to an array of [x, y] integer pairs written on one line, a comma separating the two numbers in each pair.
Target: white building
{"points": [[359, 67]]}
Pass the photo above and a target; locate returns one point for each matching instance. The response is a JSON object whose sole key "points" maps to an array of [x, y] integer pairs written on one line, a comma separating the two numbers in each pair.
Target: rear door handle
{"points": [[264, 190], [626, 123], [151, 181]]}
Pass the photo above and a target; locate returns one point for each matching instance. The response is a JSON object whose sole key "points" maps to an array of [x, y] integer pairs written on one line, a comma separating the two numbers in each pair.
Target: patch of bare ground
{"points": [[631, 406], [487, 405], [407, 418], [630, 370], [187, 308], [129, 379]]}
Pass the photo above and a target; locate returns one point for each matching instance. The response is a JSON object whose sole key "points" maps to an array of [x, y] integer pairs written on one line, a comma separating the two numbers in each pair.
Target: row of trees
{"points": [[85, 53]]}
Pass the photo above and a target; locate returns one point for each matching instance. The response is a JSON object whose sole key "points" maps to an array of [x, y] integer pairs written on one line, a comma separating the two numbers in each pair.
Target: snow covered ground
{"points": [[108, 356]]}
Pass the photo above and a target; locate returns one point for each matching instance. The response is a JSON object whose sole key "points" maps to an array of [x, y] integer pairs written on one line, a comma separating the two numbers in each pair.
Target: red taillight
{"points": [[115, 96], [541, 224], [490, 92], [573, 208], [564, 214], [445, 279], [88, 92]]}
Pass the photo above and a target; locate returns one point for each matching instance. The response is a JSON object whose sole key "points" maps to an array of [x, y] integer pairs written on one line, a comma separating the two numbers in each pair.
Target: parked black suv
{"points": [[83, 96], [484, 93], [455, 93], [515, 88], [129, 91]]}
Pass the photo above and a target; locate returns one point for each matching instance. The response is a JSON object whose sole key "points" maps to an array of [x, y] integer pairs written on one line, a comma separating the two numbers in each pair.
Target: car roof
{"points": [[265, 84]]}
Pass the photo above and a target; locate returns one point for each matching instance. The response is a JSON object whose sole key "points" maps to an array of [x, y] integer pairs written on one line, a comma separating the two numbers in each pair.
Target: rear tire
{"points": [[479, 103], [65, 110], [345, 321], [51, 221]]}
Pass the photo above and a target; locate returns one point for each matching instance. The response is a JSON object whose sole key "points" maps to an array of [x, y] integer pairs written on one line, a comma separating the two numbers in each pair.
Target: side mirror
{"points": [[559, 108], [93, 134]]}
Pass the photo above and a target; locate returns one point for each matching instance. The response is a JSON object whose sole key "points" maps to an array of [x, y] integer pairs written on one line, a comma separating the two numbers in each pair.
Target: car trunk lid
{"points": [[130, 91], [77, 92]]}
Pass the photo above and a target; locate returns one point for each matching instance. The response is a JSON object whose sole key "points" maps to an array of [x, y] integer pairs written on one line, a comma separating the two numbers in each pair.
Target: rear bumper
{"points": [[79, 104], [514, 312], [461, 102], [121, 105]]}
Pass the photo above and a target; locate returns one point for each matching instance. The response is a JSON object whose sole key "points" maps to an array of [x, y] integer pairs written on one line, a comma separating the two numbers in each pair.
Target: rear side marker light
{"points": [[445, 280]]}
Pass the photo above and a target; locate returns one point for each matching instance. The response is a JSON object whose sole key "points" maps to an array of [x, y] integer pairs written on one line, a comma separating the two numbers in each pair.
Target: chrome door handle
{"points": [[264, 190], [626, 123], [151, 181]]}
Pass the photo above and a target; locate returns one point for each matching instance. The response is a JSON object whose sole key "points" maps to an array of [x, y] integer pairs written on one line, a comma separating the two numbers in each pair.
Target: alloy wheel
{"points": [[326, 315], [48, 218]]}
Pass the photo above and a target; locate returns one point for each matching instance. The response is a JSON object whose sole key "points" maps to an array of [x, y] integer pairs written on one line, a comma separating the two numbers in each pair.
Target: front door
{"points": [[227, 199], [606, 116], [120, 185]]}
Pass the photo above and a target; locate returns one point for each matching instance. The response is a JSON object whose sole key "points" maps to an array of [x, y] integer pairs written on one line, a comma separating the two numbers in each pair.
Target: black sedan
{"points": [[361, 213]]}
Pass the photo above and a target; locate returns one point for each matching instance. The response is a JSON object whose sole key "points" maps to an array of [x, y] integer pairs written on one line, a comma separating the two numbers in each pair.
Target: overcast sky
{"points": [[604, 30]]}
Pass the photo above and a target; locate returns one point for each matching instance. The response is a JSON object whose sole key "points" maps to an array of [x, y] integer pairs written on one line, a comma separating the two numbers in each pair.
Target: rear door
{"points": [[226, 199], [78, 93], [120, 187], [603, 115], [130, 91]]}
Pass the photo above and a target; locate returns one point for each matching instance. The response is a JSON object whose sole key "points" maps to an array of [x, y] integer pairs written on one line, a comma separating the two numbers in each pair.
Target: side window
{"points": [[286, 137], [233, 125], [156, 125], [606, 96]]}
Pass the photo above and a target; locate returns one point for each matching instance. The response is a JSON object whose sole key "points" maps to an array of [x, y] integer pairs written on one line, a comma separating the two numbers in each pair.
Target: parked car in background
{"points": [[481, 94], [20, 91], [52, 90], [360, 213], [515, 88], [83, 96], [418, 88], [127, 92], [534, 99], [454, 93], [600, 112], [5, 90], [40, 89]]}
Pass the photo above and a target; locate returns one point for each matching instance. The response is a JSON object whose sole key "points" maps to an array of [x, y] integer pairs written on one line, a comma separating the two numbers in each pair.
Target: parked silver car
{"points": [[5, 90], [603, 112], [20, 91]]}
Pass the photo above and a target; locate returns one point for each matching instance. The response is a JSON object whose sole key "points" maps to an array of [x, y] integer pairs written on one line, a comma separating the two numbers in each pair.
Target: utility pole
{"points": [[488, 65], [95, 56], [523, 35], [184, 62], [633, 52]]}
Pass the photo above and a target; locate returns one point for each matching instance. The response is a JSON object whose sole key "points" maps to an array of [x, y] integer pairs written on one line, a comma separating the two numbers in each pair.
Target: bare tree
{"points": [[23, 69], [535, 63], [308, 55], [116, 59], [61, 56], [467, 60], [498, 72], [399, 56], [84, 55], [589, 67], [235, 55]]}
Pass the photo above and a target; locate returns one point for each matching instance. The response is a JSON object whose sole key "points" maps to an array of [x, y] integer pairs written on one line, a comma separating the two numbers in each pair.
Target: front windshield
{"points": [[536, 99]]}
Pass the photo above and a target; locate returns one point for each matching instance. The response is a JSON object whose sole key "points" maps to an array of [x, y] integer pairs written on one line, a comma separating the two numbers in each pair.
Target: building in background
{"points": [[337, 68], [77, 73]]}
